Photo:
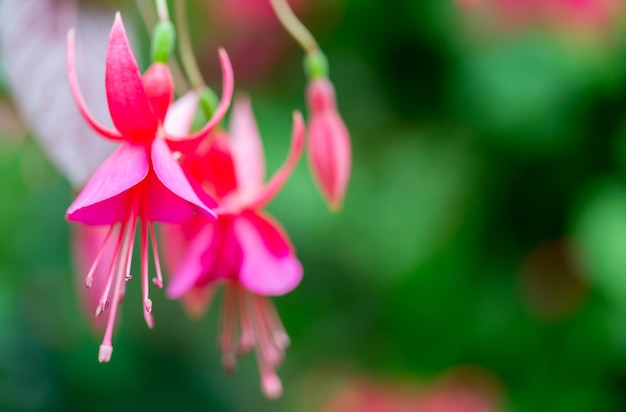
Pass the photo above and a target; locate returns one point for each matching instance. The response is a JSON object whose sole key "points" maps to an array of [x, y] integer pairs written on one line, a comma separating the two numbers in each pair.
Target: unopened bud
{"points": [[163, 39], [329, 143]]}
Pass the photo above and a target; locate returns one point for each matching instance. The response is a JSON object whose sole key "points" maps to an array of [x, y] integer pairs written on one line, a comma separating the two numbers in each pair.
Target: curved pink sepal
{"points": [[106, 195], [186, 142], [78, 96], [280, 177], [269, 266], [171, 175], [128, 102], [246, 149]]}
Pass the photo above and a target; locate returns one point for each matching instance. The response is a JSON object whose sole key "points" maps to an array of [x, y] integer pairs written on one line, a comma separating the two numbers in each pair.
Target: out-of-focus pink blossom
{"points": [[245, 249], [329, 143], [457, 391], [140, 183], [248, 13], [595, 16]]}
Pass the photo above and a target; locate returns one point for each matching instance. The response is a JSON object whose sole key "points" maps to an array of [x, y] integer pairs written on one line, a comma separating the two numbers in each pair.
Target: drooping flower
{"points": [[140, 183], [330, 154], [245, 249]]}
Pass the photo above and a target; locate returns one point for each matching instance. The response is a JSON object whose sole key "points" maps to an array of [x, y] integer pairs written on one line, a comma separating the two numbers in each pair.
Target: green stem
{"points": [[294, 26], [161, 6], [190, 65], [148, 17]]}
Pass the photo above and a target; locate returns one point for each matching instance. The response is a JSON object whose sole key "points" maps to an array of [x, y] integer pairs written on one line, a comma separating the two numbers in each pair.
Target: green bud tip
{"points": [[316, 65], [163, 39]]}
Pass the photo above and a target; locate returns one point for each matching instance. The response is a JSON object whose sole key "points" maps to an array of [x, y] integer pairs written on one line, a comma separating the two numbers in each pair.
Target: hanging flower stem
{"points": [[148, 17], [294, 26], [161, 6], [190, 65]]}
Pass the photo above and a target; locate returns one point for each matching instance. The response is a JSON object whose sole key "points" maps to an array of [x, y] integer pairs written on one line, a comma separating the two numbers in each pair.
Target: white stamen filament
{"points": [[94, 265]]}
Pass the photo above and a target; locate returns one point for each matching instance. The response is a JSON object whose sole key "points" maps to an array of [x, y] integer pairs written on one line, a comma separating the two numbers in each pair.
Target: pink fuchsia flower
{"points": [[140, 183], [245, 249], [329, 142]]}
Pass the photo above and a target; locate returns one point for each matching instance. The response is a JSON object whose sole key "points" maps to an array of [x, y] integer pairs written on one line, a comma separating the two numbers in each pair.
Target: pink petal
{"points": [[280, 177], [329, 143], [175, 200], [180, 115], [246, 149], [197, 260], [128, 102], [218, 167], [269, 266], [78, 97], [105, 196], [228, 84]]}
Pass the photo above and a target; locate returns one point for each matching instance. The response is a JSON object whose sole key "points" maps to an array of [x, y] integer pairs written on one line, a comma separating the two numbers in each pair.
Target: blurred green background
{"points": [[484, 229]]}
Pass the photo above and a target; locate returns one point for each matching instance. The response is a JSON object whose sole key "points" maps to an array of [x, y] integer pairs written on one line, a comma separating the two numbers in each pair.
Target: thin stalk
{"points": [[148, 17], [161, 6], [294, 26], [188, 60]]}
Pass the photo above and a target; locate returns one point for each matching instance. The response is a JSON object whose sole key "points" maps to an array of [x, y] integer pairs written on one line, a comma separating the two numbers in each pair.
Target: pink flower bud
{"points": [[329, 143], [159, 86]]}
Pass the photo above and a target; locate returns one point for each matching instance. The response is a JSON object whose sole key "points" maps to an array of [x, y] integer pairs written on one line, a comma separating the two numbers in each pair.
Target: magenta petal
{"points": [[185, 202], [105, 197], [246, 149], [198, 259], [219, 168], [268, 267], [128, 102]]}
